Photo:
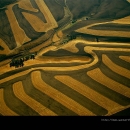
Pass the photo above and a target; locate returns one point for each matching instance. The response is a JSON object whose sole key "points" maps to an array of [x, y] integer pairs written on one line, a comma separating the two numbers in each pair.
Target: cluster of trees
{"points": [[19, 62]]}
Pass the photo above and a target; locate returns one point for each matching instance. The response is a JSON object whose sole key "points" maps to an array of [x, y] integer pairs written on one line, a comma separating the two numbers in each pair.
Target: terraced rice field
{"points": [[100, 86]]}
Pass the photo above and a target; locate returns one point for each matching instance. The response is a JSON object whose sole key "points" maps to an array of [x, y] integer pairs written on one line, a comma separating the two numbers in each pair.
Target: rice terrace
{"points": [[64, 58]]}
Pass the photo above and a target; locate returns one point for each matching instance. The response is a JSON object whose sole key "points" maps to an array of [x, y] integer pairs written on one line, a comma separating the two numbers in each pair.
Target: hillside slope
{"points": [[24, 21], [64, 57]]}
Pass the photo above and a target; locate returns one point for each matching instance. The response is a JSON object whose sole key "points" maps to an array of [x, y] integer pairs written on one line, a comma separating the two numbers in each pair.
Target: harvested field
{"points": [[36, 23], [81, 66], [55, 38], [4, 109], [70, 47], [97, 75], [6, 49], [66, 59], [42, 42], [48, 15], [117, 69], [5, 62], [19, 92], [40, 46], [112, 27], [56, 9], [106, 32], [19, 34], [89, 93], [124, 20], [58, 96], [60, 34], [125, 58], [15, 76], [26, 5]]}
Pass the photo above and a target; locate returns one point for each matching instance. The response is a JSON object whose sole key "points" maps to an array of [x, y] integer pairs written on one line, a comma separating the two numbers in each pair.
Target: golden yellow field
{"points": [[26, 5], [101, 78], [4, 109], [126, 58], [19, 34], [51, 22], [115, 68], [56, 61], [63, 99], [89, 93], [19, 92], [113, 33]]}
